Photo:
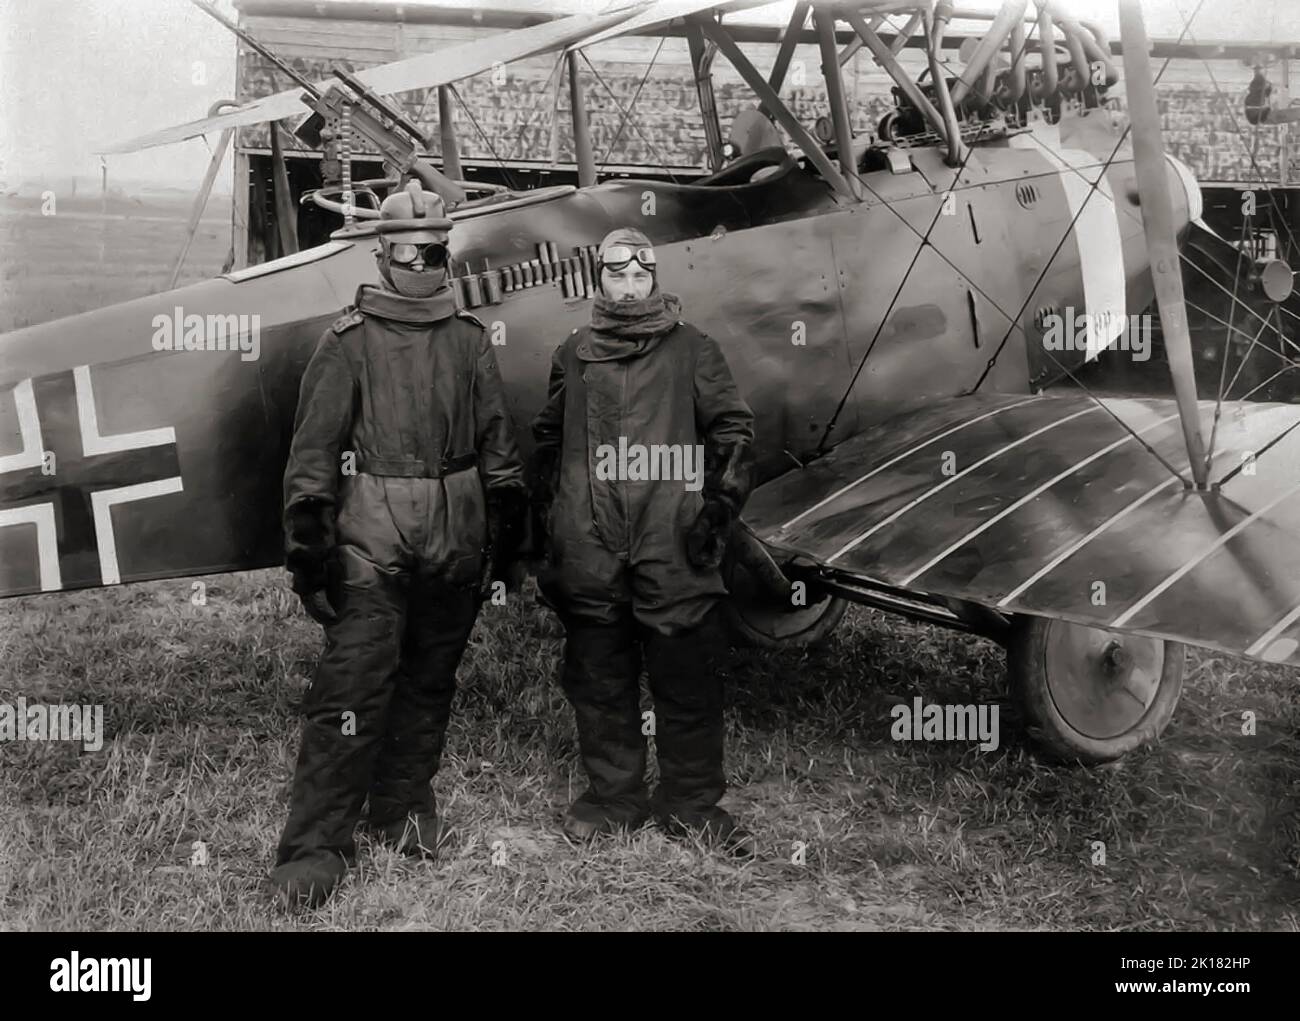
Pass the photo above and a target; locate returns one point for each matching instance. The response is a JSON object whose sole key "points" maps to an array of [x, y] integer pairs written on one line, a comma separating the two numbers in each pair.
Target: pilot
{"points": [[1259, 103], [633, 564], [403, 463]]}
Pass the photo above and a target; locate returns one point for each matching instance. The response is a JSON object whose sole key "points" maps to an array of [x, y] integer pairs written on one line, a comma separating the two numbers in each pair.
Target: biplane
{"points": [[884, 300]]}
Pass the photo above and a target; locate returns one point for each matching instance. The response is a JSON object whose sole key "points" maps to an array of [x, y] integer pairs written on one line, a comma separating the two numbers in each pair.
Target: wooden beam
{"points": [[1284, 147], [286, 217], [261, 239], [701, 61], [846, 54], [447, 135], [986, 50], [825, 22], [905, 36], [201, 202], [886, 59], [240, 233], [772, 104], [934, 30], [581, 135], [558, 87], [788, 40]]}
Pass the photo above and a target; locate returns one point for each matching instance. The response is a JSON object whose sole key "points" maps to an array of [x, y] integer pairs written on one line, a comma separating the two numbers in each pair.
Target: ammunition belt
{"points": [[576, 275]]}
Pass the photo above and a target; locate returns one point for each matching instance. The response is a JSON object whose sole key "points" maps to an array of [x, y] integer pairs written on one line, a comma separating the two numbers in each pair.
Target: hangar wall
{"points": [[519, 114], [1201, 101]]}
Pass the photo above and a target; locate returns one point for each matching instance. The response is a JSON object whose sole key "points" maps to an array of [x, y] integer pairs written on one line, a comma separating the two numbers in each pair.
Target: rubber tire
{"points": [[744, 631], [1055, 738]]}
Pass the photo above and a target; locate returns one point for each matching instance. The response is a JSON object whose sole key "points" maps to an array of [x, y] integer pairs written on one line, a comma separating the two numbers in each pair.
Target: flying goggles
{"points": [[618, 256], [404, 253]]}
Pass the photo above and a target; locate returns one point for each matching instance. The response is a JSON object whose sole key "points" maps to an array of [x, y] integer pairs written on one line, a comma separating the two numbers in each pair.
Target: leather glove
{"points": [[507, 509], [309, 560], [706, 541], [544, 467], [311, 583]]}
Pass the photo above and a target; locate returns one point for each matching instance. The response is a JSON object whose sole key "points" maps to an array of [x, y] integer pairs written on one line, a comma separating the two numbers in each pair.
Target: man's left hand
{"points": [[506, 511], [706, 542]]}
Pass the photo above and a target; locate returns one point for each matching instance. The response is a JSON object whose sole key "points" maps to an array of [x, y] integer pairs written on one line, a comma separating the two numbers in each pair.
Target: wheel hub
{"points": [[1102, 682], [1116, 660]]}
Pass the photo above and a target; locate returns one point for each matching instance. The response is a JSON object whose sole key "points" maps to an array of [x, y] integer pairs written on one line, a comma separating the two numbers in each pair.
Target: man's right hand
{"points": [[318, 607], [309, 537], [312, 589], [545, 471]]}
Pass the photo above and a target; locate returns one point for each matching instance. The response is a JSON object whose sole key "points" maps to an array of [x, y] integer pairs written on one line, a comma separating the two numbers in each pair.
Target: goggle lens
{"points": [[404, 253], [618, 256]]}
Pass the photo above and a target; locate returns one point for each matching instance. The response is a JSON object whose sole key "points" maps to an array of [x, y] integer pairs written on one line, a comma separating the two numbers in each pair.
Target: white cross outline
{"points": [[102, 501]]}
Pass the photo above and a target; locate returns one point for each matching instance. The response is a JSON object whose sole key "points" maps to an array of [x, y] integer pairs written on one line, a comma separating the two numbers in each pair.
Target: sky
{"points": [[79, 74]]}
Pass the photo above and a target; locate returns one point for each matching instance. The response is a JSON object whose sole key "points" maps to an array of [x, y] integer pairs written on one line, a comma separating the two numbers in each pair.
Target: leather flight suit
{"points": [[618, 543], [619, 575], [401, 439]]}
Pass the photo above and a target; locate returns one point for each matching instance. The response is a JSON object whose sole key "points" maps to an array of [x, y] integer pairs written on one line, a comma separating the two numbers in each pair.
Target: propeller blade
{"points": [[1151, 172]]}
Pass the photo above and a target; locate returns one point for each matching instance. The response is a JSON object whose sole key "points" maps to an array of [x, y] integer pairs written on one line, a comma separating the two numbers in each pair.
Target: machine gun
{"points": [[341, 109]]}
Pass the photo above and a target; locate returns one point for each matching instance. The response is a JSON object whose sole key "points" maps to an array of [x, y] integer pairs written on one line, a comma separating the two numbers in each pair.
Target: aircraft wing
{"points": [[452, 63], [1045, 505], [441, 67], [663, 11]]}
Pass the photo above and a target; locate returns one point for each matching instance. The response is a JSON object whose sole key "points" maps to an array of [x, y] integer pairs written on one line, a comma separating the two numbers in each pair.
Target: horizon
{"points": [[91, 183]]}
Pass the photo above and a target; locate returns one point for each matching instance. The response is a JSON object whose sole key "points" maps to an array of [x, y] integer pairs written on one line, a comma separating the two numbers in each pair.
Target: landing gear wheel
{"points": [[1088, 694], [751, 619]]}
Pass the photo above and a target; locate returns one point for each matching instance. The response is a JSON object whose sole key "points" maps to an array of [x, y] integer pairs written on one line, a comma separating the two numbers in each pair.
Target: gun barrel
{"points": [[390, 112]]}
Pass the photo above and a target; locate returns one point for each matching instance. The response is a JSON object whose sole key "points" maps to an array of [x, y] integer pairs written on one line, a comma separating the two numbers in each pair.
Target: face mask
{"points": [[416, 285]]}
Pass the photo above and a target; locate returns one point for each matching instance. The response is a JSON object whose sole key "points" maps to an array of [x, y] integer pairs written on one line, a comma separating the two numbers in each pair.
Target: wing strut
{"points": [[205, 189], [581, 133], [773, 104]]}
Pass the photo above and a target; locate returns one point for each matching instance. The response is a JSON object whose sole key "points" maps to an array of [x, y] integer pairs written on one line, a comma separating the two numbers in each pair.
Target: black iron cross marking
{"points": [[65, 425]]}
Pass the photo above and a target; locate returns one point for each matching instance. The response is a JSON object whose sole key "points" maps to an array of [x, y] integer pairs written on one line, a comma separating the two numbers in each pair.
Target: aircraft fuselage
{"points": [[120, 461]]}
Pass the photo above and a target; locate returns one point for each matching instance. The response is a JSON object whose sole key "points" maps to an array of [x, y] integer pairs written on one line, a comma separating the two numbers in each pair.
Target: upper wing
{"points": [[452, 63], [1045, 505], [663, 11], [429, 69]]}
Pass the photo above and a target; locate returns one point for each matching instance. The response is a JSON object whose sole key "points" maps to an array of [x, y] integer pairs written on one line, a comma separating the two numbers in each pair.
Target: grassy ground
{"points": [[200, 702], [78, 259]]}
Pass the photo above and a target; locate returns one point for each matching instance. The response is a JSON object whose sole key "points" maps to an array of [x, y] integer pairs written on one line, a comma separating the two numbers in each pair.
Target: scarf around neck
{"points": [[627, 329], [386, 304]]}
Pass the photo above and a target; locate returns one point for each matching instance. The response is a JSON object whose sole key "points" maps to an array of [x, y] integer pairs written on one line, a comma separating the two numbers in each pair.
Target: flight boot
{"points": [[416, 834], [687, 689], [308, 882], [403, 811], [601, 675]]}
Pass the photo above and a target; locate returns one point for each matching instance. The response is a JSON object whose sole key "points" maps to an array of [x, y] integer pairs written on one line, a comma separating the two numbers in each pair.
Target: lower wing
{"points": [[1048, 505]]}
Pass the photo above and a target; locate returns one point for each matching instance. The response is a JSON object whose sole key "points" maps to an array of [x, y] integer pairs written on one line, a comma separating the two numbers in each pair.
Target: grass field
{"points": [[81, 258], [1199, 832]]}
